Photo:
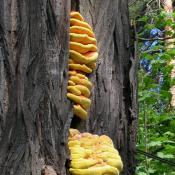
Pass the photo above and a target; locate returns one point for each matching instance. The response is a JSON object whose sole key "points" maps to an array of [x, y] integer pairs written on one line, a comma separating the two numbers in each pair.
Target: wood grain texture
{"points": [[39, 114], [3, 84]]}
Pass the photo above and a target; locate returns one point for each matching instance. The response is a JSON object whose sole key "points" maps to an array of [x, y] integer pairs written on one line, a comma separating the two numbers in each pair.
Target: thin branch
{"points": [[149, 2], [151, 51], [156, 157], [153, 39], [159, 4]]}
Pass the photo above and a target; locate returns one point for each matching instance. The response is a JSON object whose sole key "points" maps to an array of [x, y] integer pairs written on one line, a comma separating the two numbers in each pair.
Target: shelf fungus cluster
{"points": [[82, 60], [93, 155]]}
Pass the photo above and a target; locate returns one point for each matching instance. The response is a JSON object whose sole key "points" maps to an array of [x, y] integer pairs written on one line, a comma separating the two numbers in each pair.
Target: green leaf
{"points": [[142, 173], [168, 133], [171, 52], [155, 143], [151, 171], [156, 117], [143, 19], [162, 155]]}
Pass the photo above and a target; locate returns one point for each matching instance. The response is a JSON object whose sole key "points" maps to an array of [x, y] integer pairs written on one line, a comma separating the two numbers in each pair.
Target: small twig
{"points": [[149, 2], [159, 4], [151, 51], [152, 11]]}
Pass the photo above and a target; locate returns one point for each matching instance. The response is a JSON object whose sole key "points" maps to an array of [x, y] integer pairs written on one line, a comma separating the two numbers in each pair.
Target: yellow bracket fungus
{"points": [[83, 163], [73, 72], [84, 90], [82, 48], [82, 30], [76, 22], [83, 101], [80, 112], [82, 38], [81, 81], [92, 65], [71, 61], [81, 76], [71, 83], [80, 67], [85, 58], [79, 90], [76, 15], [101, 170], [73, 90], [82, 60], [73, 132], [93, 155]]}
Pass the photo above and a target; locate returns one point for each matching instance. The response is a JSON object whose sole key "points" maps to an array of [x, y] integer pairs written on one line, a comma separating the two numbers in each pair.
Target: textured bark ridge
{"points": [[114, 104], [3, 85], [33, 56]]}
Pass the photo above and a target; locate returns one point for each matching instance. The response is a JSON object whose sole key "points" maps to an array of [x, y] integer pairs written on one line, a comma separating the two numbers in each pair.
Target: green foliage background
{"points": [[156, 131]]}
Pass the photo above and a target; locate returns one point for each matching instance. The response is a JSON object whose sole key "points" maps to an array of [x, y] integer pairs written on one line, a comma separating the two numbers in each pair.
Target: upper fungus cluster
{"points": [[82, 61]]}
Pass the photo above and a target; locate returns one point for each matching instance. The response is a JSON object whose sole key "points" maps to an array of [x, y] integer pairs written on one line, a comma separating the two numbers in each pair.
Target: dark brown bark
{"points": [[39, 114], [3, 87], [36, 114]]}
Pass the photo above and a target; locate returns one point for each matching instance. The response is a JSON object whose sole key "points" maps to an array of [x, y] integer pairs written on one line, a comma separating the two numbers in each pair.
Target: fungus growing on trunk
{"points": [[83, 55], [93, 154]]}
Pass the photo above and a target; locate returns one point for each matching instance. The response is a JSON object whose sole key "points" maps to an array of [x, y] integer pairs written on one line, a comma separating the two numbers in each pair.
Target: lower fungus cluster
{"points": [[93, 155], [82, 61]]}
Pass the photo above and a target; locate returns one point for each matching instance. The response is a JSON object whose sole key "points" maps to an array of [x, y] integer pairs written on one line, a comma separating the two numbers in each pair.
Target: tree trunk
{"points": [[34, 40], [36, 115], [114, 102]]}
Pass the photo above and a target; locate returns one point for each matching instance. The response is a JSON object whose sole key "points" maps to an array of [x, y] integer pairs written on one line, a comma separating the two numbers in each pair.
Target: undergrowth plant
{"points": [[156, 130]]}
